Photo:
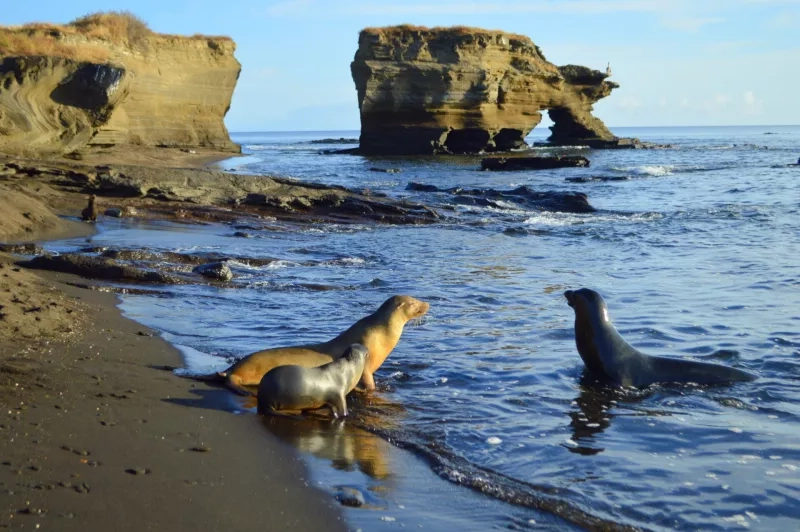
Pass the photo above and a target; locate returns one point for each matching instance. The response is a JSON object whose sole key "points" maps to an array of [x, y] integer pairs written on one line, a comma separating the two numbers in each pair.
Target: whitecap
{"points": [[494, 440]]}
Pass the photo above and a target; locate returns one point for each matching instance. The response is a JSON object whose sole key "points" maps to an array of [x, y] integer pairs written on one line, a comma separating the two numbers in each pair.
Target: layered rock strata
{"points": [[162, 91], [466, 90]]}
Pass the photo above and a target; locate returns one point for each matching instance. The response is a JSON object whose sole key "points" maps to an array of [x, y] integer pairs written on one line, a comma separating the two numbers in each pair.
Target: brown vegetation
{"points": [[460, 31], [84, 38]]}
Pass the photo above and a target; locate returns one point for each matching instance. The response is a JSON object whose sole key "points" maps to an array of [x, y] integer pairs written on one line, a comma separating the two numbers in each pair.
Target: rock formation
{"points": [[65, 87], [465, 90]]}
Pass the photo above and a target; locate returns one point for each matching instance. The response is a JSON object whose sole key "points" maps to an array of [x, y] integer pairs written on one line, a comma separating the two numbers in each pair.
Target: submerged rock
{"points": [[385, 170], [28, 248], [219, 271], [350, 497], [574, 202], [533, 163], [98, 268]]}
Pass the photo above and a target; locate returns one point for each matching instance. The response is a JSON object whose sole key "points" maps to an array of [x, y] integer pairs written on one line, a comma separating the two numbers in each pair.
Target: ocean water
{"points": [[696, 250]]}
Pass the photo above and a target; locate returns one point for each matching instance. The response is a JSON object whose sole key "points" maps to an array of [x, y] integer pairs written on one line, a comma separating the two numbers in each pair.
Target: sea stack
{"points": [[468, 90], [105, 80]]}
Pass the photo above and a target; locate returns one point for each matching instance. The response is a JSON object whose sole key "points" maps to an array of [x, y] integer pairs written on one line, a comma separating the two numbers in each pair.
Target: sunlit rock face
{"points": [[174, 91], [467, 90]]}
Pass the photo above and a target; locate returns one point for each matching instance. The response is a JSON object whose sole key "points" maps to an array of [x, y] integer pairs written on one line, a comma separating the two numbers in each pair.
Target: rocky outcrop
{"points": [[524, 196], [207, 195], [466, 90], [157, 91]]}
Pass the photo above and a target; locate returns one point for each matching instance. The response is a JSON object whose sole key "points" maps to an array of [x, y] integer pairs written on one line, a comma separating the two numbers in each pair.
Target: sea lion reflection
{"points": [[345, 446]]}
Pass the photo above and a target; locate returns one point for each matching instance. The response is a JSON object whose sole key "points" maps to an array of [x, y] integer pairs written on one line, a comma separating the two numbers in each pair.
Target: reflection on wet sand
{"points": [[347, 447]]}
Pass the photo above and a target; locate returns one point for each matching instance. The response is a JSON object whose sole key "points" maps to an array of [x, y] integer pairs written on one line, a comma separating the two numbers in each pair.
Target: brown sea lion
{"points": [[379, 333], [295, 387], [89, 214], [609, 357]]}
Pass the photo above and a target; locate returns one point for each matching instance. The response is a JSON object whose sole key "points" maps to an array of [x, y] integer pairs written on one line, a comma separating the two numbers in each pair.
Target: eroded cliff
{"points": [[465, 90], [65, 87]]}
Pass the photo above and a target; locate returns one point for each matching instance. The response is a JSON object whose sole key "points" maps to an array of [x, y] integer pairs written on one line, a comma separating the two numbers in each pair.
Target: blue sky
{"points": [[679, 62]]}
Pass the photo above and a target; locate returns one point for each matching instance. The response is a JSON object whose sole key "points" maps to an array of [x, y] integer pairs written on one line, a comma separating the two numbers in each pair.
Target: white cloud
{"points": [[752, 105], [691, 24], [722, 99]]}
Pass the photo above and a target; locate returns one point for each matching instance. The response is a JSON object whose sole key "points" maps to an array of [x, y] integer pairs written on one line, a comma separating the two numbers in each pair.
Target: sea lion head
{"points": [[587, 302], [356, 353], [404, 307]]}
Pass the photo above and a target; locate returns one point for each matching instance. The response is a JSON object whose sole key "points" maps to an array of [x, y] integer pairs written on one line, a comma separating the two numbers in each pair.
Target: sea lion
{"points": [[609, 357], [295, 387], [89, 214], [379, 333]]}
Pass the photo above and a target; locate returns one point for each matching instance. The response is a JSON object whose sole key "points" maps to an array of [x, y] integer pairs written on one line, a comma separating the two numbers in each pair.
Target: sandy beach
{"points": [[98, 433]]}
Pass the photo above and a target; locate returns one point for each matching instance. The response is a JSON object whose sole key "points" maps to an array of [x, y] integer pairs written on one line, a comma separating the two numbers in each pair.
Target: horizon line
{"points": [[541, 129]]}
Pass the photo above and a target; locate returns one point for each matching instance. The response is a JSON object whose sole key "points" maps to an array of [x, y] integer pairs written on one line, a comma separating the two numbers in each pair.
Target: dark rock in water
{"points": [[94, 249], [219, 271], [22, 249], [533, 163], [385, 170], [422, 187], [350, 497], [594, 178], [791, 165], [140, 255], [345, 151], [622, 143], [116, 212], [575, 202], [242, 234], [97, 268], [340, 140]]}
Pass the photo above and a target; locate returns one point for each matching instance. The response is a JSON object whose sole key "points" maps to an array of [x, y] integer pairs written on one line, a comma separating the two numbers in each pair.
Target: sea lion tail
{"points": [[698, 372], [218, 376]]}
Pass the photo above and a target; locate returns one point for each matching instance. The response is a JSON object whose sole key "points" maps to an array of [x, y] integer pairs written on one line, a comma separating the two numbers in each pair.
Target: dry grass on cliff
{"points": [[84, 38], [459, 31], [16, 42]]}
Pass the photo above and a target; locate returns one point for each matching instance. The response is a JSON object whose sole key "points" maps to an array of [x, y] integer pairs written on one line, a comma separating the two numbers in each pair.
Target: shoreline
{"points": [[122, 433], [96, 431]]}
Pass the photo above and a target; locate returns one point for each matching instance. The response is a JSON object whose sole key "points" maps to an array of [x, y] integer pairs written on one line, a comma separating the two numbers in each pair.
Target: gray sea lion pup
{"points": [[609, 357], [301, 388]]}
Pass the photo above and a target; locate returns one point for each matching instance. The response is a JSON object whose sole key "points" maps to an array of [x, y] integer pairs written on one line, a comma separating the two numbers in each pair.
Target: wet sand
{"points": [[96, 433]]}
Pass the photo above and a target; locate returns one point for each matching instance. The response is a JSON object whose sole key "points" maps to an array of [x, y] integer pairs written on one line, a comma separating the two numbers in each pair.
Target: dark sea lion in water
{"points": [[609, 357], [379, 332], [300, 388], [89, 214]]}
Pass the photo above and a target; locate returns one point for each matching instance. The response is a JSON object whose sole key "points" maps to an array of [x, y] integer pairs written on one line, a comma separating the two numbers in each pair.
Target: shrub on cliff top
{"points": [[452, 30], [117, 27], [114, 26]]}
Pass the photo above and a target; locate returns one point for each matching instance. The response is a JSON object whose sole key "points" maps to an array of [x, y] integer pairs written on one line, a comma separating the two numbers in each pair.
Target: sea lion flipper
{"points": [[234, 382], [367, 380]]}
